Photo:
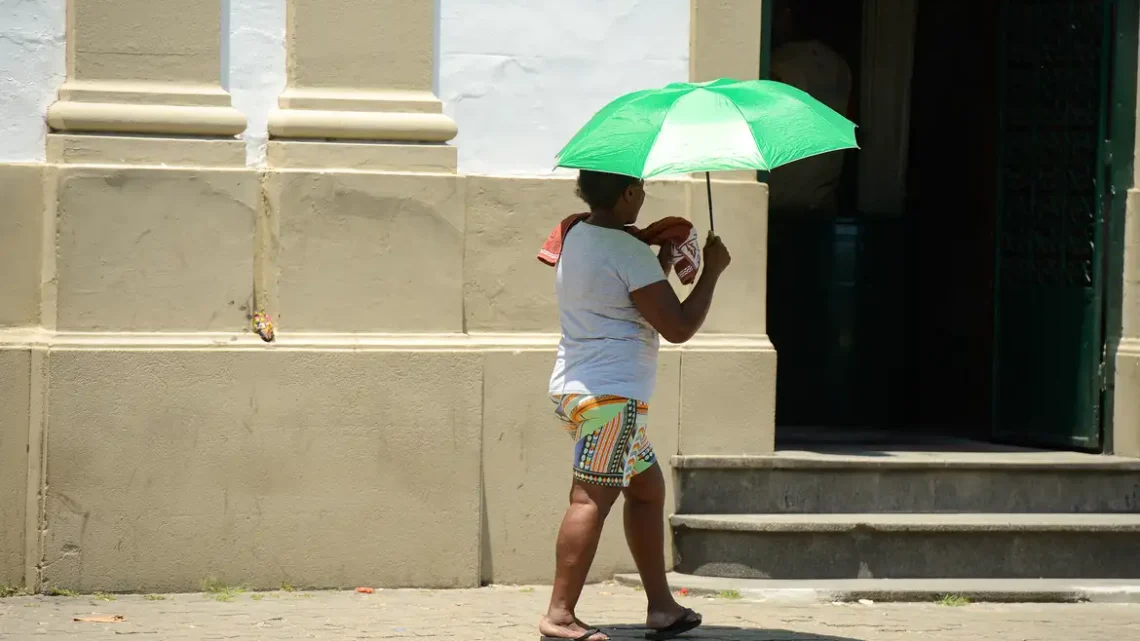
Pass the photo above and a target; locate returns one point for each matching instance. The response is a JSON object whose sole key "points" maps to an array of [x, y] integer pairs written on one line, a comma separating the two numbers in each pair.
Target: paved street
{"points": [[511, 613]]}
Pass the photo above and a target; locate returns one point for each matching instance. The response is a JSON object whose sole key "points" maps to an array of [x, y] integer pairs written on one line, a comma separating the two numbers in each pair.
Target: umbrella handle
{"points": [[708, 188]]}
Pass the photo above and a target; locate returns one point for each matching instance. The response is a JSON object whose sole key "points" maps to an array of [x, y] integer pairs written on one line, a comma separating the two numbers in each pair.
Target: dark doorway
{"points": [[950, 220], [886, 324]]}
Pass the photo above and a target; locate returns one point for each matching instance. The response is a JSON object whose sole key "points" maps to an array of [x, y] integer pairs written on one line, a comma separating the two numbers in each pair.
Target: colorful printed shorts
{"points": [[611, 444]]}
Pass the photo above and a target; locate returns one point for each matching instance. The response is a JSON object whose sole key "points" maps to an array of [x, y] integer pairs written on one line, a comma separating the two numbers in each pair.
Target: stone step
{"points": [[903, 546], [949, 591], [928, 482]]}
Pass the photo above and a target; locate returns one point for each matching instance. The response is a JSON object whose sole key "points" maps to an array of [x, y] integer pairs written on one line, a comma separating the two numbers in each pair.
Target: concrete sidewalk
{"points": [[511, 613], [908, 590]]}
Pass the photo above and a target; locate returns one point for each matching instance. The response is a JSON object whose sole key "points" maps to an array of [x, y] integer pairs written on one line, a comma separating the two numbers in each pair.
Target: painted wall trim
{"points": [[145, 119], [35, 338], [361, 125]]}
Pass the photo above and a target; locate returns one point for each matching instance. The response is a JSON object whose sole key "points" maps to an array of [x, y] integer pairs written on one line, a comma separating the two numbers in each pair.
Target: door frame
{"points": [[1116, 175], [1122, 147]]}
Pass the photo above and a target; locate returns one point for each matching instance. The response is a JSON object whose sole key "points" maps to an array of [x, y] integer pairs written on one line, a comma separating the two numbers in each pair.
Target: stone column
{"points": [[728, 373], [724, 39], [361, 70], [1126, 399], [1126, 386], [724, 42], [144, 66]]}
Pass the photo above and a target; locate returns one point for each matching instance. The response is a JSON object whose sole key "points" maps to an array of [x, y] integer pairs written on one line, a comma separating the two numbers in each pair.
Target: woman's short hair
{"points": [[601, 190]]}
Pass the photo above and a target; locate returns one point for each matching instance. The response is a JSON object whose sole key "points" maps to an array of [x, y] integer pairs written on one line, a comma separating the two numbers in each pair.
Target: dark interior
{"points": [[884, 324]]}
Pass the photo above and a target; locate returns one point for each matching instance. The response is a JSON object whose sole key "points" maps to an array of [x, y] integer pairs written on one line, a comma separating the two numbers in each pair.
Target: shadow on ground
{"points": [[626, 632]]}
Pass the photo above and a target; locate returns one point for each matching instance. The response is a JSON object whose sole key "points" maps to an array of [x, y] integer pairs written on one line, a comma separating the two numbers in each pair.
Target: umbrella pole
{"points": [[708, 188]]}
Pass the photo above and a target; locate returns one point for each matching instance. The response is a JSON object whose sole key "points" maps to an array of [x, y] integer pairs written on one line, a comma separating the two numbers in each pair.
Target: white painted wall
{"points": [[520, 77], [254, 66], [32, 66]]}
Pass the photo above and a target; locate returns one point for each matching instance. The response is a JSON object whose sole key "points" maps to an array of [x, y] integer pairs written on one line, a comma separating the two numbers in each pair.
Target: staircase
{"points": [[814, 517]]}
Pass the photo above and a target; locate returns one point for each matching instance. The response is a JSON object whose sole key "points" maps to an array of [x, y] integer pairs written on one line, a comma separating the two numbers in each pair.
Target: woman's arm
{"points": [[676, 321], [679, 321]]}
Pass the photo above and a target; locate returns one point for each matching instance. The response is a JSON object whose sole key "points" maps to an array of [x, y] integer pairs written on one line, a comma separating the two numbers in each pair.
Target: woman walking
{"points": [[614, 301]]}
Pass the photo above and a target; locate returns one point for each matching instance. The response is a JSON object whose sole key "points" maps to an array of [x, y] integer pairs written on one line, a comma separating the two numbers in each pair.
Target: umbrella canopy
{"points": [[721, 125]]}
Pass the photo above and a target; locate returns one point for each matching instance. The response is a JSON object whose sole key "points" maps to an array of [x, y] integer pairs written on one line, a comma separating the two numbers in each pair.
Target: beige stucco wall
{"points": [[146, 249], [397, 433], [25, 231], [258, 467], [1126, 397], [724, 39], [15, 395], [21, 235], [506, 288], [138, 66], [1126, 393], [1126, 416], [367, 252]]}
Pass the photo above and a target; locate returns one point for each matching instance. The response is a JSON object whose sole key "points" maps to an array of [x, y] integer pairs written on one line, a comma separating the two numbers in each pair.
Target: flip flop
{"points": [[682, 625], [589, 633]]}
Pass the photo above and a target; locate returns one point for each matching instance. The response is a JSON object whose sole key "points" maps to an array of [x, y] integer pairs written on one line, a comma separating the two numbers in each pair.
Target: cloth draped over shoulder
{"points": [[686, 258]]}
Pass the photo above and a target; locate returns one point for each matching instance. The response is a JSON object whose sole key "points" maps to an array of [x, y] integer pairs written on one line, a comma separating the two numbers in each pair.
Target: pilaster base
{"points": [[413, 116], [131, 107]]}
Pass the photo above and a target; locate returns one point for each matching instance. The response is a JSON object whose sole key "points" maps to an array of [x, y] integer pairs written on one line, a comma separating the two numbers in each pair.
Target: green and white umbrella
{"points": [[721, 125]]}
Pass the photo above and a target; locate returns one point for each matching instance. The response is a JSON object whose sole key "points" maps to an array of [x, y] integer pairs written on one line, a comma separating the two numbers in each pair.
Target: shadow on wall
{"points": [[622, 632]]}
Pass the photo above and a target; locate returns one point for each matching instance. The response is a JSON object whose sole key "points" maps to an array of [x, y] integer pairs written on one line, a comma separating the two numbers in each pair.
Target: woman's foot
{"points": [[571, 629], [670, 621]]}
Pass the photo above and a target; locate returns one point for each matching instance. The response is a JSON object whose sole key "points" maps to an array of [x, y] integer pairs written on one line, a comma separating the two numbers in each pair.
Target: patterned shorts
{"points": [[611, 444]]}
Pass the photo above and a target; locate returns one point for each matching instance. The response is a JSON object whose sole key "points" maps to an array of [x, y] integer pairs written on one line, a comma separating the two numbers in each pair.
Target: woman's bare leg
{"points": [[574, 553], [645, 534]]}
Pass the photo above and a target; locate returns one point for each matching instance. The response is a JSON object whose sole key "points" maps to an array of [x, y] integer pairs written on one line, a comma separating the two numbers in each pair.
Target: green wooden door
{"points": [[1053, 192]]}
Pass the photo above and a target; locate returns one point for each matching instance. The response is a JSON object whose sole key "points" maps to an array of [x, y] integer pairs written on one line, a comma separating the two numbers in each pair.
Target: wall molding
{"points": [[43, 339]]}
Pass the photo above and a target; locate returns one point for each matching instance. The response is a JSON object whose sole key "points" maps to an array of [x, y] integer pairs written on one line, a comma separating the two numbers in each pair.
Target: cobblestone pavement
{"points": [[511, 613]]}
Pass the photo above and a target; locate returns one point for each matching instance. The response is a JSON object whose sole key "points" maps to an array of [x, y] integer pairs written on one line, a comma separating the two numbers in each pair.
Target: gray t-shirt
{"points": [[607, 347]]}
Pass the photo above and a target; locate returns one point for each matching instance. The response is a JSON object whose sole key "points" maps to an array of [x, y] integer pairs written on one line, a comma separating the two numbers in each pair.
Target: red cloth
{"points": [[686, 257]]}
